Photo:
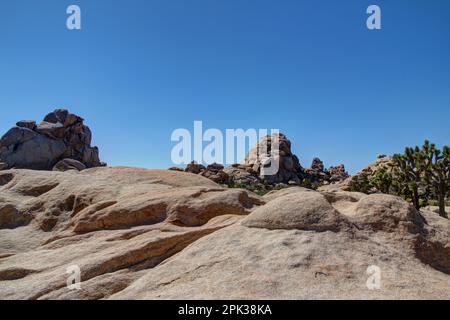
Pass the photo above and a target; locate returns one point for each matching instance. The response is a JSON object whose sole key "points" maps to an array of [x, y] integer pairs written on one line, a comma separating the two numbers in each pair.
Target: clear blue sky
{"points": [[139, 69]]}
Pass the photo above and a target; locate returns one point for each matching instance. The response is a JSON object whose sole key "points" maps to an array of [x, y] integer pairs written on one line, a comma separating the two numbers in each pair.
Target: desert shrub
{"points": [[360, 183]]}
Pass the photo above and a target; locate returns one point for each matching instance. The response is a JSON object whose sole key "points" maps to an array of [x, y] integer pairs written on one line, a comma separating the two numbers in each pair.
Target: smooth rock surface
{"points": [[154, 234]]}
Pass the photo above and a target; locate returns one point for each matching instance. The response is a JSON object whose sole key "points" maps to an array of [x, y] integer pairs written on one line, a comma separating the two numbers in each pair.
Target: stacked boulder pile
{"points": [[338, 173], [318, 174], [251, 172], [61, 142], [274, 150], [214, 172]]}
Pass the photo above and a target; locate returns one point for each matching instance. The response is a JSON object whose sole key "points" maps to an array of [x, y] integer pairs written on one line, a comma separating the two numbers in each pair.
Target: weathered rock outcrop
{"points": [[317, 174], [152, 234], [273, 150], [382, 161], [242, 175], [338, 173], [62, 135], [195, 168], [216, 173]]}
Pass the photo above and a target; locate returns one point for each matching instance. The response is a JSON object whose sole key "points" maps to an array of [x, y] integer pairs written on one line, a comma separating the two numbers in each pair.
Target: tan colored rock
{"points": [[385, 212], [274, 194], [154, 234], [275, 148], [104, 220], [314, 213], [289, 264]]}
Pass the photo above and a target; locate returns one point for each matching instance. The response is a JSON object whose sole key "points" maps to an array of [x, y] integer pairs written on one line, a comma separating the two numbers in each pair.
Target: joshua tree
{"points": [[437, 173], [409, 170], [382, 180], [360, 184], [417, 175]]}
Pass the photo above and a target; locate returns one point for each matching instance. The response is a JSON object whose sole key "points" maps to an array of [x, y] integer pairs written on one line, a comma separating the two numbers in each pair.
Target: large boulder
{"points": [[241, 175], [26, 149], [338, 173], [29, 124], [62, 135], [275, 150], [195, 168], [317, 164], [215, 173], [302, 210], [69, 164]]}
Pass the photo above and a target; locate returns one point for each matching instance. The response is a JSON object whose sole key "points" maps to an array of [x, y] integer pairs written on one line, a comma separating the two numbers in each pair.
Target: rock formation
{"points": [[69, 164], [367, 172], [317, 165], [317, 174], [271, 149], [338, 173], [153, 234], [242, 175], [215, 172], [62, 135], [275, 148], [195, 168]]}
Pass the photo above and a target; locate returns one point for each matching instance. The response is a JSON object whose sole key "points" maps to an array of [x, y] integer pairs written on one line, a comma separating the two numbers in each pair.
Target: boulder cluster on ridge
{"points": [[61, 142], [251, 171]]}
